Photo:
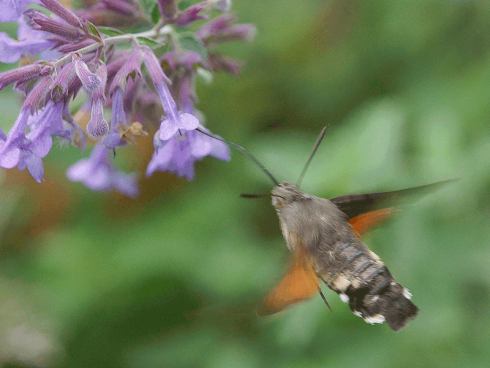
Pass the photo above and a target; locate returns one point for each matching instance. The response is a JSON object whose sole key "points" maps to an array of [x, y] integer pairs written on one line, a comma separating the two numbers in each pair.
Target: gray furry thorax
{"points": [[312, 220]]}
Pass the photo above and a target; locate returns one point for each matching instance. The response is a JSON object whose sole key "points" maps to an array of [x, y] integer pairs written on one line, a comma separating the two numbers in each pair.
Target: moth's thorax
{"points": [[306, 220]]}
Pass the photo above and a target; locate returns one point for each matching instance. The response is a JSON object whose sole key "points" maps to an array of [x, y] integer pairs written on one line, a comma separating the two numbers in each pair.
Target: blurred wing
{"points": [[365, 222], [366, 211], [300, 283], [355, 205]]}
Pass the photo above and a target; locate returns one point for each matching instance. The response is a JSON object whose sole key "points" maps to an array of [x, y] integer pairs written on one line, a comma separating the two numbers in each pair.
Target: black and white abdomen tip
{"points": [[382, 300]]}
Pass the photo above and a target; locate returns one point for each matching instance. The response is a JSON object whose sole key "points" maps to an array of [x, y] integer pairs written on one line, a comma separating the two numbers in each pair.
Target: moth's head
{"points": [[285, 194]]}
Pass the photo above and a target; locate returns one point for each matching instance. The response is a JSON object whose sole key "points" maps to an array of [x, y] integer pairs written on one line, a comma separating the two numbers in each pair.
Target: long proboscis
{"points": [[317, 144], [243, 151]]}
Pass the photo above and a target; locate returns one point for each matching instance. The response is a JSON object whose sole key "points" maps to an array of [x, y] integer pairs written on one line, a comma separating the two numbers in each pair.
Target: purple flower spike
{"points": [[174, 120], [38, 96], [11, 10], [97, 173], [62, 12], [179, 154], [97, 126], [19, 75], [59, 87], [40, 22], [222, 29], [131, 68]]}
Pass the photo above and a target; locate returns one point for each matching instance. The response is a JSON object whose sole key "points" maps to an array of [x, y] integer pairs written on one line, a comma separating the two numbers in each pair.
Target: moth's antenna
{"points": [[318, 141], [243, 151]]}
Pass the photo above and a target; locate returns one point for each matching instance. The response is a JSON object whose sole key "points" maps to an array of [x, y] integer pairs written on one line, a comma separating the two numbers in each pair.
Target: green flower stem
{"points": [[126, 38]]}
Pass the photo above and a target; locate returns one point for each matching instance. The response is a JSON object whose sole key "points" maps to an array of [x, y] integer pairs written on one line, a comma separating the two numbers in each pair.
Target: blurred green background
{"points": [[171, 279]]}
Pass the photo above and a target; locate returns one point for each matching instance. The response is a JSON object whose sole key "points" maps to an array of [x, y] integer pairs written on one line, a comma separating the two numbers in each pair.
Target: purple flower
{"points": [[12, 50], [97, 126], [218, 62], [10, 148], [11, 10], [113, 139], [190, 15], [21, 150], [94, 85], [42, 125], [121, 6], [179, 154], [174, 120], [97, 173], [188, 59], [73, 132], [222, 29]]}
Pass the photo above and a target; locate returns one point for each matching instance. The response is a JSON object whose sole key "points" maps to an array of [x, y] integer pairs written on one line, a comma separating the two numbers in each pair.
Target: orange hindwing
{"points": [[300, 283], [365, 222]]}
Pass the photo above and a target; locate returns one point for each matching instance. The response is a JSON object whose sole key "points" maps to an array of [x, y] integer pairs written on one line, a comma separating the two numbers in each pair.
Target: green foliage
{"points": [[171, 279]]}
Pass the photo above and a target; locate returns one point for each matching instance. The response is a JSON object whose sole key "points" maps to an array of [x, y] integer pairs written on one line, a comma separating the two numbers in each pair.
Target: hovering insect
{"points": [[324, 239]]}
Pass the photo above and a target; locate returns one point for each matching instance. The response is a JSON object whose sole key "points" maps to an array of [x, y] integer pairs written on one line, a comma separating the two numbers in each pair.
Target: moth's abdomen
{"points": [[362, 280]]}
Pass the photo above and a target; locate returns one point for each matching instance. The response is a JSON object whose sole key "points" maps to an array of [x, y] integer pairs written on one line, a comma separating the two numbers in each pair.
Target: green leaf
{"points": [[148, 5], [93, 29], [191, 43], [184, 4], [149, 42], [111, 31], [155, 14]]}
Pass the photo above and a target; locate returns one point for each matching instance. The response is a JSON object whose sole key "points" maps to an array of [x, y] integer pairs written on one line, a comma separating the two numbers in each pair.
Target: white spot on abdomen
{"points": [[378, 318], [344, 298], [407, 294]]}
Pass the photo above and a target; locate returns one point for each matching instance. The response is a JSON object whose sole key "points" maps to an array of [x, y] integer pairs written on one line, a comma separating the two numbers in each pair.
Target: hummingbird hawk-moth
{"points": [[324, 239]]}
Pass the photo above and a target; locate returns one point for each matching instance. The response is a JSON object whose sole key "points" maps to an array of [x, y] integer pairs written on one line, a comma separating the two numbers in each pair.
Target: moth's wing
{"points": [[357, 204], [300, 283], [366, 211]]}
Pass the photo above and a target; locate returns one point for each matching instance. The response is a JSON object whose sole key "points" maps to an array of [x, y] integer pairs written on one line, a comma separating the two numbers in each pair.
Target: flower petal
{"points": [[168, 128], [187, 121]]}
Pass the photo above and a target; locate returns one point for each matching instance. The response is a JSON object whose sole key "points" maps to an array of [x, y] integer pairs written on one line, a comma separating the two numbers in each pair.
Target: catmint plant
{"points": [[88, 52]]}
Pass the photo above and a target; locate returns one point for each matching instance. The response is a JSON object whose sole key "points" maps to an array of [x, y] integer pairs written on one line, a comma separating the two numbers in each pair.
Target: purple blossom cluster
{"points": [[64, 51]]}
